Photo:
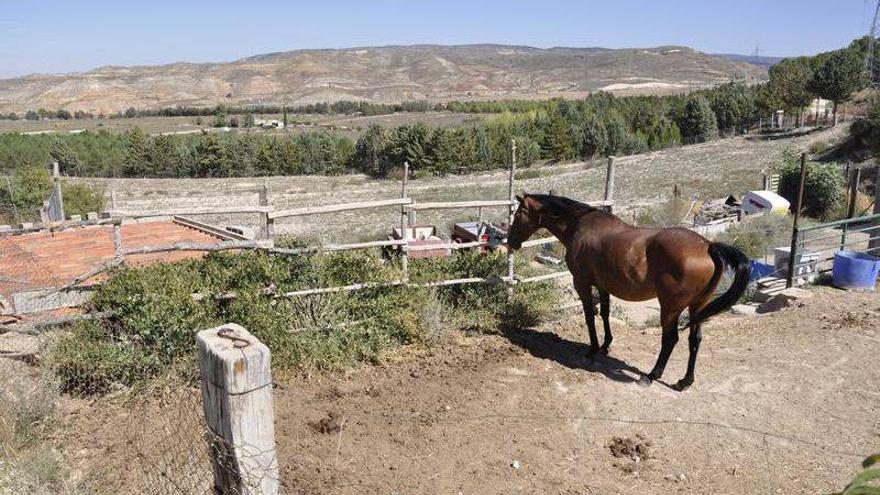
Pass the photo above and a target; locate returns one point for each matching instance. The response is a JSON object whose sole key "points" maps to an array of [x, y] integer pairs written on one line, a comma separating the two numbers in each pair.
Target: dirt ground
{"points": [[787, 402], [783, 403]]}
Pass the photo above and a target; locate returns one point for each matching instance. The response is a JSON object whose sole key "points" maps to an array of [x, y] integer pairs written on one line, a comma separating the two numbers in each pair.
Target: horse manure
{"points": [[331, 424], [636, 449]]}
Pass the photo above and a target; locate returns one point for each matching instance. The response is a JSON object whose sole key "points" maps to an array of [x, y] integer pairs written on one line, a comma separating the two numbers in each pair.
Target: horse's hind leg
{"points": [[694, 339], [605, 311], [585, 292], [669, 320]]}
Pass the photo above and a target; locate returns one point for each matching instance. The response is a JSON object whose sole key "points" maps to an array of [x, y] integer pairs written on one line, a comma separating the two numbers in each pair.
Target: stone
{"points": [[92, 215], [744, 309], [515, 464], [784, 299], [76, 218]]}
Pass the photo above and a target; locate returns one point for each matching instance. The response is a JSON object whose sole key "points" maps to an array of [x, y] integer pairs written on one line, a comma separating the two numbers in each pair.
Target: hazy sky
{"points": [[68, 35]]}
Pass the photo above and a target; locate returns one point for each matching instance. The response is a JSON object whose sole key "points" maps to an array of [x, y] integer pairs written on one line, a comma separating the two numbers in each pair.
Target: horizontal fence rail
{"points": [[316, 210], [407, 206]]}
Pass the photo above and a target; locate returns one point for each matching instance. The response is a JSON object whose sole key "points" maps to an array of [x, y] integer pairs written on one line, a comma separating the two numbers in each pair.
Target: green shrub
{"points": [[155, 316], [755, 235], [823, 185]]}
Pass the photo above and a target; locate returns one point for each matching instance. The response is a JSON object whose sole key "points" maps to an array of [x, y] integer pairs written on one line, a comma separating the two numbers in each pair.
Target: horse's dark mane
{"points": [[561, 205]]}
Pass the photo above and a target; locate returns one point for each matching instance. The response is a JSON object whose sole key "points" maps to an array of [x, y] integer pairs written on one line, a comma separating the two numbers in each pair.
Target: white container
{"points": [[755, 202]]}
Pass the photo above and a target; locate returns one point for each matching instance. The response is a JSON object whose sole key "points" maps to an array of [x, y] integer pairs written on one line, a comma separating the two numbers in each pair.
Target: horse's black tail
{"points": [[726, 256]]}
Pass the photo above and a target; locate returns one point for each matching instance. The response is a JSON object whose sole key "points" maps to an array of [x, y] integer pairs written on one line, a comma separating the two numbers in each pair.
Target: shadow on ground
{"points": [[548, 345]]}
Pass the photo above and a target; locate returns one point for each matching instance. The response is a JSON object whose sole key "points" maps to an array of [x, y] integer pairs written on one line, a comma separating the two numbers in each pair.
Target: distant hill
{"points": [[382, 74], [765, 62]]}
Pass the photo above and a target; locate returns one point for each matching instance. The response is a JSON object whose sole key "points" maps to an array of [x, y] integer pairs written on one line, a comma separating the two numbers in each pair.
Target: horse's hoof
{"points": [[682, 385], [645, 381], [604, 350]]}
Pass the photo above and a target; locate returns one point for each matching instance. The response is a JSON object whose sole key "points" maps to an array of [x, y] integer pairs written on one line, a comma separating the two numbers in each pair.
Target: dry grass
{"points": [[707, 170]]}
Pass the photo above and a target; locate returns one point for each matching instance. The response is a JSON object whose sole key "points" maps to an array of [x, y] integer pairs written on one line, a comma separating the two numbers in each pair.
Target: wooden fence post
{"points": [[511, 195], [404, 228], [792, 252], [237, 402], [875, 243], [855, 175], [264, 216], [56, 184], [609, 182]]}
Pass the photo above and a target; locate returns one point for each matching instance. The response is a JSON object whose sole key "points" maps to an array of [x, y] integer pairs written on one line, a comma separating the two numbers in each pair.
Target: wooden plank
{"points": [[219, 210], [237, 402], [447, 245], [362, 245], [193, 246], [343, 288], [449, 205], [541, 278], [315, 210], [539, 242]]}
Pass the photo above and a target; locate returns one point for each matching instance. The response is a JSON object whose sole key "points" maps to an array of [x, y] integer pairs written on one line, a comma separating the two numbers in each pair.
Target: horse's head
{"points": [[526, 221]]}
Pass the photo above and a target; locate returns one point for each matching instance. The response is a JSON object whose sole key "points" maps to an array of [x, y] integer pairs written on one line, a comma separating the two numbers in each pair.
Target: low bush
{"points": [[155, 316], [823, 185], [756, 235]]}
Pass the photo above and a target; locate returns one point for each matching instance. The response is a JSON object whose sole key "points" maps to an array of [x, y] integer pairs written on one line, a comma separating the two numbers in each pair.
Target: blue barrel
{"points": [[854, 270], [760, 270]]}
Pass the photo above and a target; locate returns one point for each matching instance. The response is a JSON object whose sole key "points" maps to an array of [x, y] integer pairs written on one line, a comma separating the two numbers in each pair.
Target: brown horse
{"points": [[679, 267]]}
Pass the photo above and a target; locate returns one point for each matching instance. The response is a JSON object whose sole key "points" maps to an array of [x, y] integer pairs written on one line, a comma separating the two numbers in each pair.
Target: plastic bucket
{"points": [[853, 270]]}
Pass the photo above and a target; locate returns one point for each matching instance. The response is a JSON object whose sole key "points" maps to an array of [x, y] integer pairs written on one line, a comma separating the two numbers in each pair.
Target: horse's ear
{"points": [[519, 198]]}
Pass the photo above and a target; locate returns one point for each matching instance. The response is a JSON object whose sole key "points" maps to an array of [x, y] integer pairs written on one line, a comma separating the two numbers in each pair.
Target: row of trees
{"points": [[834, 76], [557, 130], [47, 114], [344, 107]]}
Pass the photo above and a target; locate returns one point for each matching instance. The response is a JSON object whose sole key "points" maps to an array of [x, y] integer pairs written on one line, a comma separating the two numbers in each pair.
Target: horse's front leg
{"points": [[605, 311], [585, 292], [669, 320]]}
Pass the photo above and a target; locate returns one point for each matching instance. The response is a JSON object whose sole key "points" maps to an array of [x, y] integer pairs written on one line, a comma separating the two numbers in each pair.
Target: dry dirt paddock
{"points": [[783, 403]]}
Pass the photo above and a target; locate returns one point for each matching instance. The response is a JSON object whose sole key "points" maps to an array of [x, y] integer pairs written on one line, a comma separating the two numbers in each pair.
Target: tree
{"points": [[130, 113], [734, 106], [594, 137], [838, 77], [697, 120], [210, 157], [67, 159], [371, 151], [163, 156], [137, 155], [559, 144]]}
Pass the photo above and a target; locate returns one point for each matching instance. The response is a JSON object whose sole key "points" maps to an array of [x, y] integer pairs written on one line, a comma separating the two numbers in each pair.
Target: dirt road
{"points": [[784, 403]]}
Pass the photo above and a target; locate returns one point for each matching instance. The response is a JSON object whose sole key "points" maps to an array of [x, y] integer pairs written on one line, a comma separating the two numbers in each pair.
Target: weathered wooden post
{"points": [[511, 195], [609, 182], [874, 243], [855, 175], [792, 252], [264, 216], [56, 184], [117, 239], [404, 228], [237, 401]]}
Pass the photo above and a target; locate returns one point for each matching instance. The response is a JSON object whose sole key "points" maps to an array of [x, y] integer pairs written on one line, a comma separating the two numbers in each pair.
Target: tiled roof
{"points": [[51, 259]]}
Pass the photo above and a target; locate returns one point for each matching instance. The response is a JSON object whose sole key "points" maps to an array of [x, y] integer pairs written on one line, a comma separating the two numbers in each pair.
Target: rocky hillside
{"points": [[385, 74]]}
